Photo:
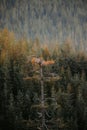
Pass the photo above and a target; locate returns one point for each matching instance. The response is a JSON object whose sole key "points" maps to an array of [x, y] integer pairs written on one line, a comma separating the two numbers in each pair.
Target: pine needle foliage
{"points": [[66, 95]]}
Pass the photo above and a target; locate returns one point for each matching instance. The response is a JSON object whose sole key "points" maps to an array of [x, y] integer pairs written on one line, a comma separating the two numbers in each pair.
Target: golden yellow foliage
{"points": [[42, 62], [10, 48], [45, 52], [6, 38], [2, 56], [36, 60], [49, 62]]}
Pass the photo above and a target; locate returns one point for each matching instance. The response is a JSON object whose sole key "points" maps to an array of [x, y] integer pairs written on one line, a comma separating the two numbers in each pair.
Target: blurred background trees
{"points": [[66, 97], [51, 21]]}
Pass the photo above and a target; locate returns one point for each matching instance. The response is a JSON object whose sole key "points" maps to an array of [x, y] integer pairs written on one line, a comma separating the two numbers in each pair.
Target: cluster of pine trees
{"points": [[65, 98], [52, 20]]}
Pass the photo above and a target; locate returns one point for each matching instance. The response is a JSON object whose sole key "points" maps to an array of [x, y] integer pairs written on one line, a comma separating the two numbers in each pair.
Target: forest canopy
{"points": [[65, 96]]}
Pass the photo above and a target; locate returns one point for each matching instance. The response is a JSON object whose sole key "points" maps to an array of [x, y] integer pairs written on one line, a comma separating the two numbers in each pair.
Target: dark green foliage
{"points": [[65, 98]]}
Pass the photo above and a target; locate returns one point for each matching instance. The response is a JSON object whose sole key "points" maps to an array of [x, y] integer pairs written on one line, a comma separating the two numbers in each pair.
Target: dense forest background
{"points": [[65, 98], [48, 20], [53, 30]]}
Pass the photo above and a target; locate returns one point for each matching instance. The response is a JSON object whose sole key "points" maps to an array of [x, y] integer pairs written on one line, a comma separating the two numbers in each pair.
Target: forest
{"points": [[64, 81], [43, 65], [49, 20]]}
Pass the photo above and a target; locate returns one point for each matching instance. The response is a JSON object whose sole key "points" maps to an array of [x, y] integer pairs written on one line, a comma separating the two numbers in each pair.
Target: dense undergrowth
{"points": [[66, 98]]}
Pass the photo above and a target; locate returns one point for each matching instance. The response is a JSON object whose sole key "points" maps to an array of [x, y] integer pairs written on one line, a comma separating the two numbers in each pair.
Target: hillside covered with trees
{"points": [[43, 65], [20, 86], [48, 20]]}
